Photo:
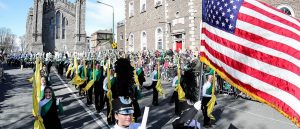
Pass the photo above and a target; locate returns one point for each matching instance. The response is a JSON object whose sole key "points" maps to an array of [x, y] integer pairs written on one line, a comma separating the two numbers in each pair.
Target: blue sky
{"points": [[13, 14]]}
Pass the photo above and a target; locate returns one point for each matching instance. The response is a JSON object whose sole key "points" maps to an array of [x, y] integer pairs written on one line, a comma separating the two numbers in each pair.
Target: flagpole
{"points": [[145, 117], [201, 64], [200, 81], [200, 77]]}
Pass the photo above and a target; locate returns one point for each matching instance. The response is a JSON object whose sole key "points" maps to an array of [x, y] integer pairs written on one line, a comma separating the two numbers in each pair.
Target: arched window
{"points": [[121, 36], [143, 6], [157, 2], [52, 28], [143, 41], [131, 9], [63, 31], [287, 10], [57, 25], [159, 39], [131, 43]]}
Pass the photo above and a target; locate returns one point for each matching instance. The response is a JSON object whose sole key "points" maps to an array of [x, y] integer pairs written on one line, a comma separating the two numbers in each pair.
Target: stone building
{"points": [[160, 24], [101, 40], [171, 24], [56, 25], [120, 35], [290, 7]]}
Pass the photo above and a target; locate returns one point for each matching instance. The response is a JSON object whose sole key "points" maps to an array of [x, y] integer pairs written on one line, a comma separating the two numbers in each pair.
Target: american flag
{"points": [[256, 48]]}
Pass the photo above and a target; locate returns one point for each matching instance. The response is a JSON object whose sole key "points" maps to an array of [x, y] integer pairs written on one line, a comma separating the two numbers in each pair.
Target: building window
{"points": [[157, 3], [143, 6], [52, 28], [121, 36], [63, 28], [143, 41], [287, 10], [159, 39], [57, 25], [131, 9], [131, 43], [104, 36]]}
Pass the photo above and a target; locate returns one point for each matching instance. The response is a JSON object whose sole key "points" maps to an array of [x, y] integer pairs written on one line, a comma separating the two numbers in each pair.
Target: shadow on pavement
{"points": [[231, 126], [75, 115], [25, 122], [12, 93], [159, 116]]}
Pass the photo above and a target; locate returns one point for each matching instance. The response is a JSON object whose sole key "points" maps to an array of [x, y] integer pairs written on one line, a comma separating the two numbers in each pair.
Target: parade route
{"points": [[150, 64], [91, 113], [230, 113]]}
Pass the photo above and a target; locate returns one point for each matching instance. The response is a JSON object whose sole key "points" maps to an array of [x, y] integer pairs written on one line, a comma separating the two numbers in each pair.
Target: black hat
{"points": [[124, 78], [123, 106]]}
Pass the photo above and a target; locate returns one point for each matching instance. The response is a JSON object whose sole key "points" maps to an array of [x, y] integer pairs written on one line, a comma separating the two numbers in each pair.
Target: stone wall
{"points": [[147, 21], [173, 17], [294, 4], [74, 15], [184, 16], [121, 35], [29, 32]]}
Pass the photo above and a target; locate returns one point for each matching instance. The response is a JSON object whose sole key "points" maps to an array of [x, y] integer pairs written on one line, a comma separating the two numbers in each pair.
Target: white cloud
{"points": [[99, 16]]}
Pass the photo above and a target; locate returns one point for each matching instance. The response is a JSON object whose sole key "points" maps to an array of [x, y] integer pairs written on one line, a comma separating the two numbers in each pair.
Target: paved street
{"points": [[231, 113]]}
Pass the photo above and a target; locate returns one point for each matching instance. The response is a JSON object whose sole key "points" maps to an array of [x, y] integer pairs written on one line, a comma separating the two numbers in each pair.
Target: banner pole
{"points": [[145, 117]]}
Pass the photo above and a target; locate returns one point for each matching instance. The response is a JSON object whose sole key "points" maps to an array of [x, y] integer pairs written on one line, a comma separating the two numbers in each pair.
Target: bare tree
{"points": [[23, 44], [7, 40]]}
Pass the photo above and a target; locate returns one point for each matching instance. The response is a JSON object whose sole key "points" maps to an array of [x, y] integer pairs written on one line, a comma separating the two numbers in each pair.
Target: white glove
{"points": [[197, 105], [58, 101]]}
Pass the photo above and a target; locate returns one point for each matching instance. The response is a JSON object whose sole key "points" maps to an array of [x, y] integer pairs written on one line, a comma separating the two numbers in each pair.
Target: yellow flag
{"points": [[158, 84], [69, 69], [181, 94], [211, 103], [88, 86], [91, 82], [77, 81], [76, 65], [76, 71], [109, 93], [72, 70], [38, 123], [37, 78], [30, 80], [136, 79]]}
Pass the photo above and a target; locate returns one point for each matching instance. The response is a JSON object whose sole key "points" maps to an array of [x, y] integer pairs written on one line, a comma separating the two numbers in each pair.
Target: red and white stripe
{"points": [[262, 56]]}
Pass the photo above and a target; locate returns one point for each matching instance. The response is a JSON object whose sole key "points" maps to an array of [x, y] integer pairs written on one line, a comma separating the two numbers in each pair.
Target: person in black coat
{"points": [[188, 108], [141, 75]]}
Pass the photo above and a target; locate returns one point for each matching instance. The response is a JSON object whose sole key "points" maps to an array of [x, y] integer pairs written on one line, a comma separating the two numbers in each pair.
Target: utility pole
{"points": [[113, 19]]}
